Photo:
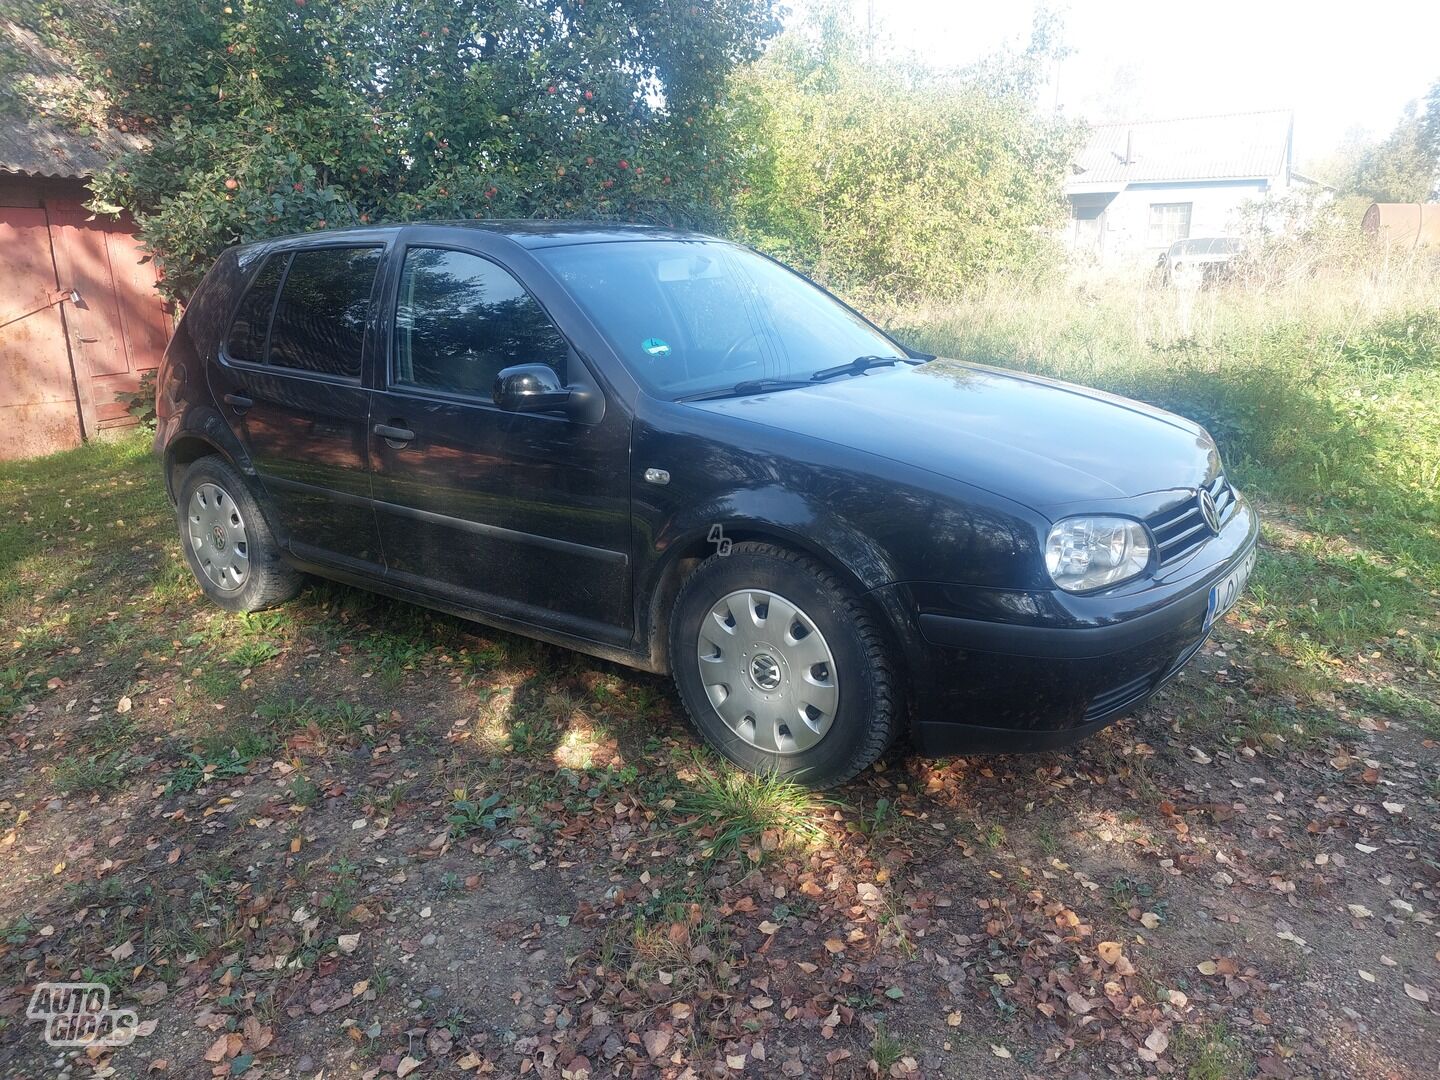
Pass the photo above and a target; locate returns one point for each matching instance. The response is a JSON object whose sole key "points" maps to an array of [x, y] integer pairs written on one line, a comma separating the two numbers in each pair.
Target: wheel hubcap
{"points": [[217, 537], [768, 671]]}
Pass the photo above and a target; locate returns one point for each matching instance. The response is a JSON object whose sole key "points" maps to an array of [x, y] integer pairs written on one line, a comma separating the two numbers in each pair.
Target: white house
{"points": [[1136, 188]]}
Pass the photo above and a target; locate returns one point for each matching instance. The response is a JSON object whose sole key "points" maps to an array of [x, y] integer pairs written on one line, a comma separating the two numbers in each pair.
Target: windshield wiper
{"points": [[750, 386], [855, 367]]}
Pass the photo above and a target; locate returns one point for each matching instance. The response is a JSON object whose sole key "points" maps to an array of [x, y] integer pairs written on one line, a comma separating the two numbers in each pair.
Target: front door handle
{"points": [[239, 401], [395, 436]]}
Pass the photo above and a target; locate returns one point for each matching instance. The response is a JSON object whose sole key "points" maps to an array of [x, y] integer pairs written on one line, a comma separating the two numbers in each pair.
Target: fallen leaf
{"points": [[1157, 1042], [1207, 967], [123, 705], [999, 1051], [1110, 951], [216, 1053], [1149, 920], [1360, 911], [348, 943], [407, 1066], [1419, 993], [1078, 1002]]}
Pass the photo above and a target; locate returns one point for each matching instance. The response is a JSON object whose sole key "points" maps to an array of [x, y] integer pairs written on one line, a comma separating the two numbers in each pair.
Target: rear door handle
{"points": [[239, 401], [395, 436]]}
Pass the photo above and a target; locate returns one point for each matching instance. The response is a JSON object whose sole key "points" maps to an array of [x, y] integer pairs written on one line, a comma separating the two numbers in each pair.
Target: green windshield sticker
{"points": [[656, 346]]}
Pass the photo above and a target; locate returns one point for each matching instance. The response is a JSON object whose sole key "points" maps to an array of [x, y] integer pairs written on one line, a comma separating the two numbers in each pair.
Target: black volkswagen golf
{"points": [[669, 451]]}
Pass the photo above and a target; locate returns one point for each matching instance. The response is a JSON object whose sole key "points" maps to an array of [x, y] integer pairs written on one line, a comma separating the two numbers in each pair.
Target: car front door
{"points": [[289, 379], [525, 515]]}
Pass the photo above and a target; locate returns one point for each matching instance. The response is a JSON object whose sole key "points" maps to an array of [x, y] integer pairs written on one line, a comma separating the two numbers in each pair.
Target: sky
{"points": [[1339, 67]]}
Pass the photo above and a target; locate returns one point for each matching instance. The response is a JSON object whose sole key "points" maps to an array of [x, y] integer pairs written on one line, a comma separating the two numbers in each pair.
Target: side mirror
{"points": [[530, 388]]}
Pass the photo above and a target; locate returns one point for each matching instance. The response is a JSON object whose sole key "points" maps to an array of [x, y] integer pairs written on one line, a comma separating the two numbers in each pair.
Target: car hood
{"points": [[1046, 444]]}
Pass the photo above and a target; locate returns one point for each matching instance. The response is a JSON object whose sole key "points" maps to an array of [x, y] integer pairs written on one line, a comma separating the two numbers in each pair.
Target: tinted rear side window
{"points": [[320, 318], [247, 333], [461, 319]]}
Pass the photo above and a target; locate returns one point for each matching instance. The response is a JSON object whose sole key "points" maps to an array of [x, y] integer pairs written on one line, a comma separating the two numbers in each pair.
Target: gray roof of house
{"points": [[1233, 146], [31, 142]]}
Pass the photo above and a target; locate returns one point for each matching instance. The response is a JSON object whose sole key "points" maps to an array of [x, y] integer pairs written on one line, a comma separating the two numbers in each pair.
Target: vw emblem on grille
{"points": [[1209, 512]]}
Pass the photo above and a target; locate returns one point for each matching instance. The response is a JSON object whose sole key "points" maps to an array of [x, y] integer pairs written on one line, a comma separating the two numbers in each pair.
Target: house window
{"points": [[1169, 221]]}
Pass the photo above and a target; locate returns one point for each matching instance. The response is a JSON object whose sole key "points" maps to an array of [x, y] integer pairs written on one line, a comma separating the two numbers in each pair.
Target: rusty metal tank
{"points": [[1407, 225]]}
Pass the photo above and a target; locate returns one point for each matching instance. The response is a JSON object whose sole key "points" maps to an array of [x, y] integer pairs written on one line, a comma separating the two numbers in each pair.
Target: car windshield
{"points": [[693, 316]]}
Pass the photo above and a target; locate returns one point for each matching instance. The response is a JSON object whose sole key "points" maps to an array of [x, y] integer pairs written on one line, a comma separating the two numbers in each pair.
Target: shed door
{"points": [[38, 412], [118, 330]]}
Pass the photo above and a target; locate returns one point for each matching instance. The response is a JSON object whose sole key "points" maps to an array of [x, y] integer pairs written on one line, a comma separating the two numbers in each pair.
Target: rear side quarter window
{"points": [[319, 323], [246, 340]]}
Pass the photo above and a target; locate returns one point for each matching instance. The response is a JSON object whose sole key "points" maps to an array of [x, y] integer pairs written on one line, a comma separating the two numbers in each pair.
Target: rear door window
{"points": [[319, 323], [461, 319], [246, 342]]}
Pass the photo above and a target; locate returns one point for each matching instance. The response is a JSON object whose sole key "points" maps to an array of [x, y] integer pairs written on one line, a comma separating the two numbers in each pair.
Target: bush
{"points": [[886, 180], [140, 402]]}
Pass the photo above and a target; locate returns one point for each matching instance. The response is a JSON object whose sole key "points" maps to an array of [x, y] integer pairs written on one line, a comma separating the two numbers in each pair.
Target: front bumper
{"points": [[1005, 671]]}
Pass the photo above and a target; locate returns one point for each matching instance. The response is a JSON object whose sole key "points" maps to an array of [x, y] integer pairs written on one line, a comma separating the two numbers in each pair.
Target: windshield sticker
{"points": [[656, 346]]}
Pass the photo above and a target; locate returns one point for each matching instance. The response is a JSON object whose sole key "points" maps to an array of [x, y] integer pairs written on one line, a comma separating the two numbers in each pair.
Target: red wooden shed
{"points": [[80, 317]]}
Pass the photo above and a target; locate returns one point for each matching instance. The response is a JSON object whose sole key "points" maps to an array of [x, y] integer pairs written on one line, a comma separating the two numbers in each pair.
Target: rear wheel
{"points": [[227, 542], [781, 667]]}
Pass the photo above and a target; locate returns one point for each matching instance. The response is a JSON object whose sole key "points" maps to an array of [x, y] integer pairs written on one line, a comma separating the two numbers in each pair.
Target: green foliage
{"points": [[884, 179], [468, 815], [757, 813], [93, 774], [197, 769], [272, 116], [140, 402], [1404, 166]]}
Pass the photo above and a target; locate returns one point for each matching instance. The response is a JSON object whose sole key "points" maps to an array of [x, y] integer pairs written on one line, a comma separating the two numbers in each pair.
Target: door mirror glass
{"points": [[530, 388]]}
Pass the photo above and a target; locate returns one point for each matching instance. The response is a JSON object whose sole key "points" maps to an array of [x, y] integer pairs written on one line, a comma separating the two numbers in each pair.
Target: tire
{"points": [[227, 541], [816, 701]]}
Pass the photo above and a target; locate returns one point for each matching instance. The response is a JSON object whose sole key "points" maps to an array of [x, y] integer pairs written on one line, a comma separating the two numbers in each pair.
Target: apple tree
{"points": [[272, 116]]}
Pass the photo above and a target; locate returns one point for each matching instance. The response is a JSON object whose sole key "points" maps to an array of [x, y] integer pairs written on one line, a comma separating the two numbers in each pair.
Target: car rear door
{"points": [[289, 379], [525, 515]]}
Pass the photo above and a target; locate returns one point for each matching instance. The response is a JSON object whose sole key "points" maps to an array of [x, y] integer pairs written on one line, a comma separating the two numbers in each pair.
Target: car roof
{"points": [[526, 232]]}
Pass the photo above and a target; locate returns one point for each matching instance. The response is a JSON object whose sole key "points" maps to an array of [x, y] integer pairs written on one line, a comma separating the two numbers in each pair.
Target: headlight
{"points": [[1085, 553]]}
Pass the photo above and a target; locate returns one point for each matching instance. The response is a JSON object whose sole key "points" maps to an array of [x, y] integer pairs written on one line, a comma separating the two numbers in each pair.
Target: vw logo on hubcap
{"points": [[765, 671], [217, 537], [1209, 512]]}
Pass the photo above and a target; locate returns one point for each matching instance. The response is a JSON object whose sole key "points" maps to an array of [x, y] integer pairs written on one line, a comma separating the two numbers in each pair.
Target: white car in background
{"points": [[1198, 260]]}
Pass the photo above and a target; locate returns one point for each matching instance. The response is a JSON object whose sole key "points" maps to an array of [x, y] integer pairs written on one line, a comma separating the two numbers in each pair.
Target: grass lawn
{"points": [[353, 837]]}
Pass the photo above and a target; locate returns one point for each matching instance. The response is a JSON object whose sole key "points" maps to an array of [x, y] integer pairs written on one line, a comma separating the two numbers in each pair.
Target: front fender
{"points": [[788, 517]]}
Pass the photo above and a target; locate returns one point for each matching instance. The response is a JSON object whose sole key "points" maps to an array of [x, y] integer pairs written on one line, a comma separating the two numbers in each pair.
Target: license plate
{"points": [[1227, 590]]}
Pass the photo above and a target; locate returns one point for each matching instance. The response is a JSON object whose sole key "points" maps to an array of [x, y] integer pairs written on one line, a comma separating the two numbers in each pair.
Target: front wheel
{"points": [[227, 541], [781, 667]]}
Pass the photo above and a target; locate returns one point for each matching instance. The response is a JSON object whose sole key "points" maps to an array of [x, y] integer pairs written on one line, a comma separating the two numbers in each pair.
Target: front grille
{"points": [[1181, 529]]}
